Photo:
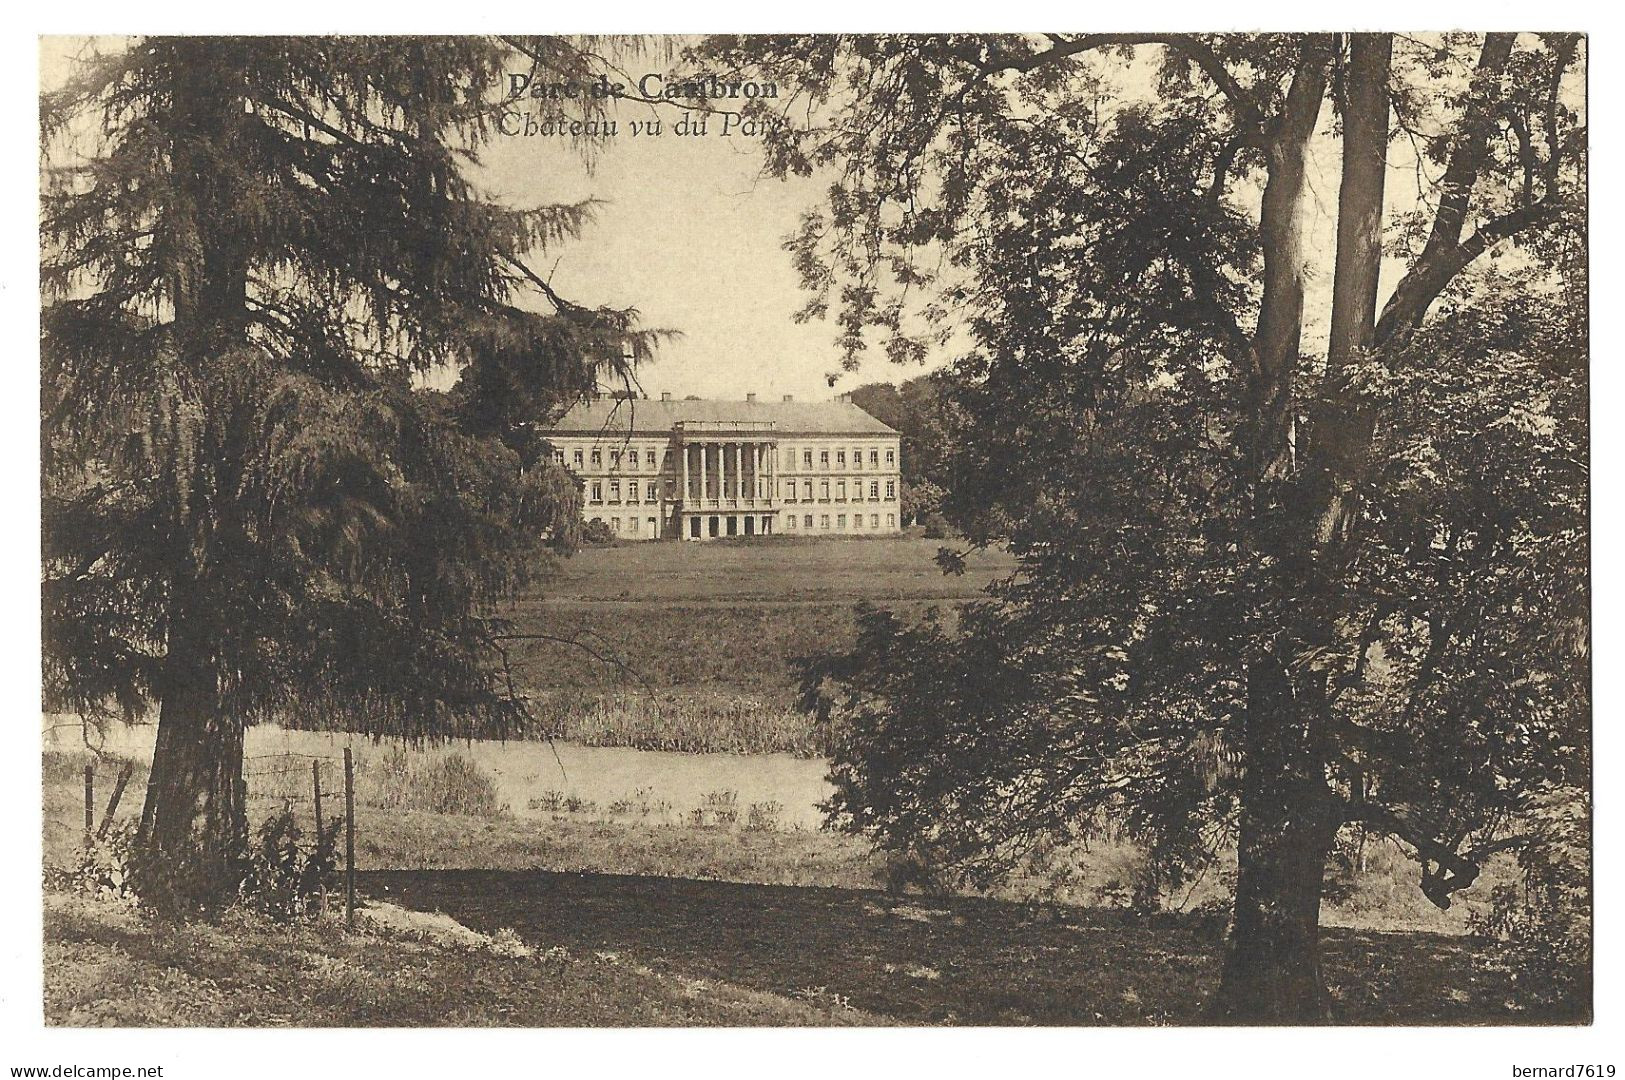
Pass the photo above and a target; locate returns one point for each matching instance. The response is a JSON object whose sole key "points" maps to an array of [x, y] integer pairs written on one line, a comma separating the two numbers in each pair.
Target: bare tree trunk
{"points": [[194, 818]]}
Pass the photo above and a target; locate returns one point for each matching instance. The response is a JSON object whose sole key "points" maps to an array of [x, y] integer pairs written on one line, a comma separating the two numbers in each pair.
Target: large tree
{"points": [[254, 251], [1273, 584]]}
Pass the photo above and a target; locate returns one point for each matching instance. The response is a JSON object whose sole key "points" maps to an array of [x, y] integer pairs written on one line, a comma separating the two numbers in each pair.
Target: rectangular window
{"points": [[874, 457], [823, 491], [806, 521], [597, 457], [891, 489], [653, 492], [840, 491], [649, 458], [791, 521], [891, 521], [857, 521], [840, 458], [632, 492], [558, 456], [790, 492], [615, 459], [823, 521], [857, 490], [874, 521], [840, 521], [806, 459], [597, 492], [632, 460], [874, 490], [891, 457], [615, 492], [823, 458], [580, 455], [632, 526], [806, 491], [615, 523], [857, 457]]}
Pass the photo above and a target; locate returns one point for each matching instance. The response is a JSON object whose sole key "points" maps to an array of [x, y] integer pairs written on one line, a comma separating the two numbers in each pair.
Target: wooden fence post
{"points": [[316, 798], [90, 803], [118, 793], [349, 839]]}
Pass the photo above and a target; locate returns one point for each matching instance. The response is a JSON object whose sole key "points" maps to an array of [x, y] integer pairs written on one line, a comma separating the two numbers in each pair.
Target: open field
{"points": [[696, 647], [778, 569]]}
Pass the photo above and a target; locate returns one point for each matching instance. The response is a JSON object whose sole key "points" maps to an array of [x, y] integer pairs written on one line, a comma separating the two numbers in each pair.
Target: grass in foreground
{"points": [[106, 965], [686, 924]]}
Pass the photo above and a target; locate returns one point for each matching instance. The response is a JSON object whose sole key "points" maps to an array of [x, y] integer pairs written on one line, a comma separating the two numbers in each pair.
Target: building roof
{"points": [[640, 416]]}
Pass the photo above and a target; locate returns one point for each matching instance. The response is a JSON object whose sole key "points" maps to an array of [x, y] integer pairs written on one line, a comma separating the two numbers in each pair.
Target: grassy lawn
{"points": [[628, 922], [108, 966]]}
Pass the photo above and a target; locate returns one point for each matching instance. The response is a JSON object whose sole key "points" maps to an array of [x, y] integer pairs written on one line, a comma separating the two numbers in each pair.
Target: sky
{"points": [[689, 232]]}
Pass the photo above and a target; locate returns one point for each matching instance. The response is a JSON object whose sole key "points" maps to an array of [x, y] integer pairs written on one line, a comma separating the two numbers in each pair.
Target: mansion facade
{"points": [[694, 469]]}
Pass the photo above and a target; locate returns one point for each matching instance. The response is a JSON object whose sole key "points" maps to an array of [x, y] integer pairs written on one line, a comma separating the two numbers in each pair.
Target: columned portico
{"points": [[700, 469]]}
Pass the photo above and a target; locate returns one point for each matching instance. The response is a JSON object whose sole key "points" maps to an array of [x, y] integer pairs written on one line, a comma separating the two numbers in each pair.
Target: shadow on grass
{"points": [[957, 960]]}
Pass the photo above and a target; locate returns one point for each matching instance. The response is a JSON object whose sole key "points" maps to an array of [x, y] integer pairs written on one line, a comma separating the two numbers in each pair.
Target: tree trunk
{"points": [[1272, 967], [194, 820], [1288, 823]]}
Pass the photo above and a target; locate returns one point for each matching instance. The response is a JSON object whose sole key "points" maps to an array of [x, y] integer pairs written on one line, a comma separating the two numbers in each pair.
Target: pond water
{"points": [[534, 778]]}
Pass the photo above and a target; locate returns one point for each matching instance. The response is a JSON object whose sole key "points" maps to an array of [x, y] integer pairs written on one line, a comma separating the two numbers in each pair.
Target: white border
{"points": [[1329, 1054]]}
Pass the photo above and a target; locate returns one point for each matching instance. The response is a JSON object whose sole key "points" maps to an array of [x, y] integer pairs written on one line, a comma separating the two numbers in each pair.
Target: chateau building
{"points": [[699, 470]]}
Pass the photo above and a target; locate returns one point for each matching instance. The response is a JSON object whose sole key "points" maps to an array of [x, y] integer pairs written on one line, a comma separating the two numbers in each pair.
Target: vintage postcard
{"points": [[996, 529]]}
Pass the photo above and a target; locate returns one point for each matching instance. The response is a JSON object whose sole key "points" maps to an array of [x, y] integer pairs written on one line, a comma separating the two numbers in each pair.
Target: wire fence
{"points": [[325, 782]]}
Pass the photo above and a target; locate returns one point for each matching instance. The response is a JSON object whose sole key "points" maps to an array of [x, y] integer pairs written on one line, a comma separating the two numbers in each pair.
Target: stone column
{"points": [[701, 448], [739, 471], [682, 470]]}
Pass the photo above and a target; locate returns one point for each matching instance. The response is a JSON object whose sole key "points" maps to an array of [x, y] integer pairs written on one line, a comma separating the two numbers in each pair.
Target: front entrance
{"points": [[750, 526]]}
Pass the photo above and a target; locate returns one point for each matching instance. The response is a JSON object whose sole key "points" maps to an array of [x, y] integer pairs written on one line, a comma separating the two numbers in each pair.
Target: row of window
{"points": [[632, 527], [655, 460], [788, 458], [792, 493], [636, 527], [840, 491], [840, 521], [595, 493]]}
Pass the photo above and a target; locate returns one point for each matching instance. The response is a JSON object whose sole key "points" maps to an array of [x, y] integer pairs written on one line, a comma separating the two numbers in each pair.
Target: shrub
{"points": [[763, 816], [597, 533], [103, 868], [449, 784], [284, 878], [1545, 918], [718, 808]]}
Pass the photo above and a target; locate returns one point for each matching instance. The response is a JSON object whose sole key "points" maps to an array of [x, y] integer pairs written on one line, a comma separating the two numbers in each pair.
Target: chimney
{"points": [[665, 395], [750, 397], [789, 397]]}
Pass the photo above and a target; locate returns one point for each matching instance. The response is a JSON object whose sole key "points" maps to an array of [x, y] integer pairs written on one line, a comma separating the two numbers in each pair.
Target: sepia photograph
{"points": [[1007, 530]]}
